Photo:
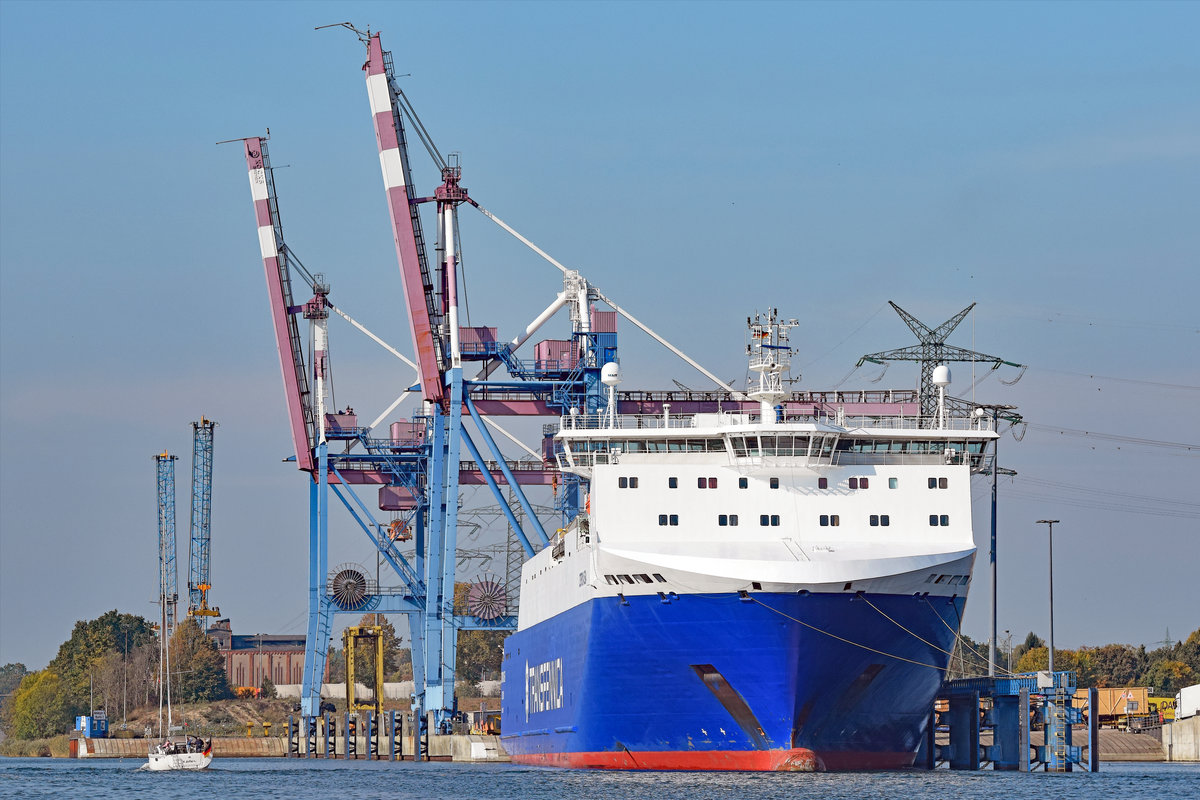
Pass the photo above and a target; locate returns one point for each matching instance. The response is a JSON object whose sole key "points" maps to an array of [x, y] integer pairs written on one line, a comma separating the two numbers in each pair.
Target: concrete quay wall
{"points": [[1181, 740], [223, 747], [457, 747]]}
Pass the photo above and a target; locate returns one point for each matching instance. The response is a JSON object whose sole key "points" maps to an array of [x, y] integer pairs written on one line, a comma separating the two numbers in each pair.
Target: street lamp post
{"points": [[996, 471], [1050, 523]]}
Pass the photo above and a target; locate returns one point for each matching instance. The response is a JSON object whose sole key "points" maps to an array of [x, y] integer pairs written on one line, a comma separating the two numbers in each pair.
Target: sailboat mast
{"points": [[162, 632], [167, 648]]}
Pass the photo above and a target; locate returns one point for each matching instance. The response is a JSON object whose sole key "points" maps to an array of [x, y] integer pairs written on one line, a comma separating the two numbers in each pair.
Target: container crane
{"points": [[391, 463], [198, 564]]}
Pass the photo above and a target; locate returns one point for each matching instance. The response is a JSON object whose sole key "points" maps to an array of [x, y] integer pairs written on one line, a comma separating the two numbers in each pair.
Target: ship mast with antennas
{"points": [[770, 357]]}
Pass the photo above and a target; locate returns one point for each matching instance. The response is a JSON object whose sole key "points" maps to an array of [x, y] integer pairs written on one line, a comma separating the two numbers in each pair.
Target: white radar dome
{"points": [[941, 375], [610, 374]]}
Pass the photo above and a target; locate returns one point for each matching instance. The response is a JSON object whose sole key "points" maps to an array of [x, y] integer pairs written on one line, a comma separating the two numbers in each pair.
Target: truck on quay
{"points": [[1187, 702]]}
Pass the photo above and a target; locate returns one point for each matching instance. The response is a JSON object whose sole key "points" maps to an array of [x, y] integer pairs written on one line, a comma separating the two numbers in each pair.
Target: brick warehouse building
{"points": [[251, 657]]}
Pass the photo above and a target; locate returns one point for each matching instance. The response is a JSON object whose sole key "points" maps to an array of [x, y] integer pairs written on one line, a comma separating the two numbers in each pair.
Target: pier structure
{"points": [[1012, 707], [418, 464]]}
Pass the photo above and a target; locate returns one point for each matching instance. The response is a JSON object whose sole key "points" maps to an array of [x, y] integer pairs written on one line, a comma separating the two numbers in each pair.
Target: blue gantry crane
{"points": [[201, 528]]}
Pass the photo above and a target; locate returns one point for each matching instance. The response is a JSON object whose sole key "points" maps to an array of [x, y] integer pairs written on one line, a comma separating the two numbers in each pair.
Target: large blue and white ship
{"points": [[746, 591]]}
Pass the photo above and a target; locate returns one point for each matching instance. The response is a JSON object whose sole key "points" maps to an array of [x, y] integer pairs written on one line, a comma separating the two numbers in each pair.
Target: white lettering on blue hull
{"points": [[543, 687]]}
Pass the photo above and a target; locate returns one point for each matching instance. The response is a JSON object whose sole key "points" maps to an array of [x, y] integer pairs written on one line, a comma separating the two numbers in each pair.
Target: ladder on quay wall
{"points": [[1057, 729]]}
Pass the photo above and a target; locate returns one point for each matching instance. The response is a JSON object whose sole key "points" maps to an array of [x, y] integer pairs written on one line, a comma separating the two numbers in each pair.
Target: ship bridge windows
{"points": [[706, 445], [774, 483], [939, 483], [672, 483], [706, 483], [830, 520], [743, 483], [624, 482], [771, 520], [730, 520], [896, 447], [668, 519], [822, 483], [893, 483], [936, 520], [880, 520], [859, 483], [771, 445]]}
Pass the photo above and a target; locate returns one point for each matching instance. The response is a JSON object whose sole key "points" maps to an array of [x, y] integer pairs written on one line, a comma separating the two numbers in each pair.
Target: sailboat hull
{"points": [[161, 761]]}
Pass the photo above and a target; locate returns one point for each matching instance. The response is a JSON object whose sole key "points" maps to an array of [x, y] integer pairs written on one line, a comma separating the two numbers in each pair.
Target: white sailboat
{"points": [[191, 753]]}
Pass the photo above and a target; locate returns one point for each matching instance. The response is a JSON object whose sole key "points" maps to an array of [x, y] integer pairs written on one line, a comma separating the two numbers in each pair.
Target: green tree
{"points": [[1189, 651], [1031, 641], [11, 676], [1168, 676], [1038, 659], [79, 656], [267, 690], [198, 672], [1085, 668], [479, 652], [40, 707], [336, 659], [404, 671], [1116, 665]]}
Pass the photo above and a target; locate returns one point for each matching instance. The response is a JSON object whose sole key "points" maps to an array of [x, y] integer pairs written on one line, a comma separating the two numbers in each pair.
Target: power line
{"points": [[1114, 437], [1027, 478], [1093, 376]]}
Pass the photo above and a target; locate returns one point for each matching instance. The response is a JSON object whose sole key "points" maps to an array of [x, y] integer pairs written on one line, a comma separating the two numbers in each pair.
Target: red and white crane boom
{"points": [[279, 287], [425, 313]]}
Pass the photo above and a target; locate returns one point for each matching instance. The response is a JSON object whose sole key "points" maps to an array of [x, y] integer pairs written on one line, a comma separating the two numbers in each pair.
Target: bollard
{"points": [[266, 729]]}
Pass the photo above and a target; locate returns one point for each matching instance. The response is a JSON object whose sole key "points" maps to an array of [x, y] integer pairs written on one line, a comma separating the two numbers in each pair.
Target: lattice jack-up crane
{"points": [[198, 564], [168, 594]]}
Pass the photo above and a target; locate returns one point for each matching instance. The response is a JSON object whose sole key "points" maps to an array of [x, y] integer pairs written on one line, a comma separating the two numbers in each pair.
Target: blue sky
{"points": [[696, 161]]}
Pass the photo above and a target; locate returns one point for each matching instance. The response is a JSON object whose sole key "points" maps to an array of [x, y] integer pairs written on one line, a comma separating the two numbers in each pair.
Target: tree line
{"points": [[110, 663], [1166, 669]]}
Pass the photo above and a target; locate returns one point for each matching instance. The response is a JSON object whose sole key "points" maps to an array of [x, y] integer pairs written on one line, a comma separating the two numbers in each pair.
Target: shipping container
{"points": [[555, 354], [604, 321], [1114, 702], [397, 498], [477, 341], [407, 434]]}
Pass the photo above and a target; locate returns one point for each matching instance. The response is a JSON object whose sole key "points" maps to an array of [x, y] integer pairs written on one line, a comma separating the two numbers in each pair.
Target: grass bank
{"points": [[55, 746]]}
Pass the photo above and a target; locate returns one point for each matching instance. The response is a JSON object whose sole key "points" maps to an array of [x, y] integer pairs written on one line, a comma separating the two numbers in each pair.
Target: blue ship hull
{"points": [[763, 682]]}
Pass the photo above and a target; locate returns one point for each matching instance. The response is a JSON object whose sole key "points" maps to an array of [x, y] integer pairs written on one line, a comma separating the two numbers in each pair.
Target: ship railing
{"points": [[909, 422], [595, 422], [573, 459]]}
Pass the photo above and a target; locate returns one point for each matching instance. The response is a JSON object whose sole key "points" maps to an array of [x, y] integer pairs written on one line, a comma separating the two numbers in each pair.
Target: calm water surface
{"points": [[334, 780]]}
